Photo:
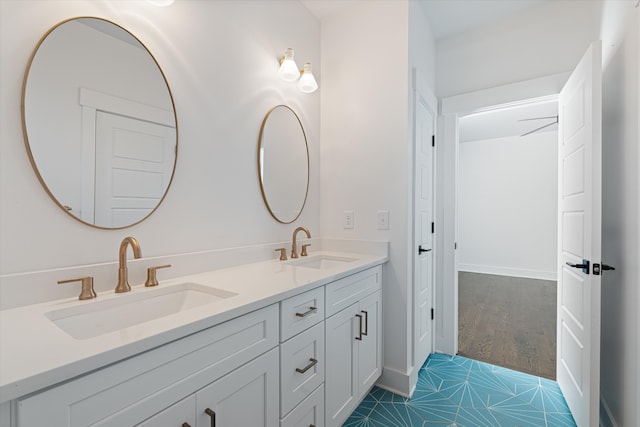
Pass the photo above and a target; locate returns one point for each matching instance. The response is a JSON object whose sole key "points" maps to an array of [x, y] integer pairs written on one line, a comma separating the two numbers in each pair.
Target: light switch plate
{"points": [[383, 220]]}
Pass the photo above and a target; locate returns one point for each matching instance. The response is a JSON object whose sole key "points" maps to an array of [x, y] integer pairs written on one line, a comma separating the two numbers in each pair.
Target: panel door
{"points": [[134, 164], [370, 351], [423, 274], [247, 396], [579, 238], [341, 384]]}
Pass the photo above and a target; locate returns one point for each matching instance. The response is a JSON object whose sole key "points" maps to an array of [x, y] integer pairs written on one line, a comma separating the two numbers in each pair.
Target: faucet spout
{"points": [[294, 245], [123, 280]]}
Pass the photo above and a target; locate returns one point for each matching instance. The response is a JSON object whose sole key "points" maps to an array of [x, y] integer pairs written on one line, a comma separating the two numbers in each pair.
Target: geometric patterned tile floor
{"points": [[459, 392]]}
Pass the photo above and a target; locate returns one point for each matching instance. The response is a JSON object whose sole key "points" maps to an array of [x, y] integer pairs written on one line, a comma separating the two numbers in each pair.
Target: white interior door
{"points": [[579, 238], [423, 237], [134, 164]]}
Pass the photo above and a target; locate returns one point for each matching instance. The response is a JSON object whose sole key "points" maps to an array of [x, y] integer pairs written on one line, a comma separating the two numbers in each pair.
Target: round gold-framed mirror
{"points": [[99, 123], [283, 164]]}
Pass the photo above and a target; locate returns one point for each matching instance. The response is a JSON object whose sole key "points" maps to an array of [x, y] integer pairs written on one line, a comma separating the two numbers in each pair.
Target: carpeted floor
{"points": [[508, 321], [458, 392]]}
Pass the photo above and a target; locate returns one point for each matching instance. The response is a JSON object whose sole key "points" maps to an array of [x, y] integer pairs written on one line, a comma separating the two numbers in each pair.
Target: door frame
{"points": [[452, 109]]}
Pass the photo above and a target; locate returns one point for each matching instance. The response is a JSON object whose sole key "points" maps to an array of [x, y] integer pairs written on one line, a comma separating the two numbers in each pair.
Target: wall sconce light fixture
{"points": [[289, 72]]}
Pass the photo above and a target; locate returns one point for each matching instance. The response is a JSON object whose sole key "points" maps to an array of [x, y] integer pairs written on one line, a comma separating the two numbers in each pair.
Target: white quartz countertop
{"points": [[35, 353]]}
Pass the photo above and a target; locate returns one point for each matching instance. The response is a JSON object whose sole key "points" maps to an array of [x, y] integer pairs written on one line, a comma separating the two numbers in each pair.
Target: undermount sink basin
{"points": [[94, 319], [322, 262]]}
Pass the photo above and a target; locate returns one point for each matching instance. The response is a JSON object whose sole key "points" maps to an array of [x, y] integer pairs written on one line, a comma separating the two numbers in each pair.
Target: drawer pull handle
{"points": [[186, 425], [366, 322], [359, 316], [308, 312], [212, 414], [312, 425], [312, 363]]}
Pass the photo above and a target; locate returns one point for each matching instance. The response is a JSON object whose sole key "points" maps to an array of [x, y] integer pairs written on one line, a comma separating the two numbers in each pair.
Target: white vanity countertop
{"points": [[35, 353]]}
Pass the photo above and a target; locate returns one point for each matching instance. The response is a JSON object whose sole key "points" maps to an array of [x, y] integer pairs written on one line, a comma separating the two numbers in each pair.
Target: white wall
{"points": [[507, 206], [366, 67], [620, 356], [220, 59]]}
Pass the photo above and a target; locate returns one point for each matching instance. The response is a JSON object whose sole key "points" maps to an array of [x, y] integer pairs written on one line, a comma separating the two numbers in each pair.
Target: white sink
{"points": [[322, 262], [122, 311]]}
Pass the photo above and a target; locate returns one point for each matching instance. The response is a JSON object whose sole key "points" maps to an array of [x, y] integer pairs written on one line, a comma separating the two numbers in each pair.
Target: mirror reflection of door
{"points": [[134, 163]]}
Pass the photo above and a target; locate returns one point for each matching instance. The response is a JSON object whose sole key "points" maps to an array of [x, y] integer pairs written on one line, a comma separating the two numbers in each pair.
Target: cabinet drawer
{"points": [[304, 352], [130, 391], [344, 292], [301, 312], [308, 413]]}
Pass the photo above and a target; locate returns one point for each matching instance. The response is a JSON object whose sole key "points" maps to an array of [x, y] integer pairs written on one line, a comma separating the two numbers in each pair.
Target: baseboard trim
{"points": [[402, 383], [507, 271], [606, 418]]}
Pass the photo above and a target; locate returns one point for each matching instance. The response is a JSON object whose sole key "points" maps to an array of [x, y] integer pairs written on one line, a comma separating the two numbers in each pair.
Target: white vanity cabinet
{"points": [[353, 333], [154, 383]]}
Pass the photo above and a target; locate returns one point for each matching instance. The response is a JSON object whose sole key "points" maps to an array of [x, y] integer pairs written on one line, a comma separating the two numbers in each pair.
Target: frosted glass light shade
{"points": [[289, 71], [307, 83]]}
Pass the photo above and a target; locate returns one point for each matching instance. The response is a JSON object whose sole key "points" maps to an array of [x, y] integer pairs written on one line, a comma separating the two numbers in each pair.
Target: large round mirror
{"points": [[99, 123], [283, 164]]}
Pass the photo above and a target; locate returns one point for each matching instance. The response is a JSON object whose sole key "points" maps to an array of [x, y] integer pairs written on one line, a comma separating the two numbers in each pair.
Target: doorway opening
{"points": [[506, 257]]}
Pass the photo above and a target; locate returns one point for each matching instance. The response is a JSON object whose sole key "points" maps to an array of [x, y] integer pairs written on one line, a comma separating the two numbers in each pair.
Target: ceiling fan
{"points": [[554, 118]]}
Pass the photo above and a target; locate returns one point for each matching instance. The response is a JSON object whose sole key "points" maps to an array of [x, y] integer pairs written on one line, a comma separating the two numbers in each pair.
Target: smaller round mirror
{"points": [[283, 164]]}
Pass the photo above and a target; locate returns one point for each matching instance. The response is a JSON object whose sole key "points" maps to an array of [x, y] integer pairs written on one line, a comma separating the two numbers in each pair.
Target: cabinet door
{"points": [[370, 351], [341, 386], [181, 414], [247, 396]]}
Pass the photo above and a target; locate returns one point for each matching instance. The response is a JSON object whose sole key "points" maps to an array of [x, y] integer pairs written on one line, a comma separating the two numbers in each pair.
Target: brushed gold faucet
{"points": [[294, 246], [123, 282]]}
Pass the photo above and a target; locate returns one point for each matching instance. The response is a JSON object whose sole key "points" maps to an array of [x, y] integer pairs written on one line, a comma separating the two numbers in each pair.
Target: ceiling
{"points": [[507, 122], [447, 17]]}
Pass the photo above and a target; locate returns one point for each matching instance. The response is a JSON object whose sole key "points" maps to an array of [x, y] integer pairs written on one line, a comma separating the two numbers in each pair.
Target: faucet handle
{"points": [[152, 280], [283, 253], [87, 291], [304, 249]]}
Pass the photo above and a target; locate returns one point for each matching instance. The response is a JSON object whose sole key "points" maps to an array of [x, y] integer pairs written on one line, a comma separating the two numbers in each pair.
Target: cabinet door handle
{"points": [[186, 425], [212, 414], [366, 322], [308, 312], [359, 316], [312, 363]]}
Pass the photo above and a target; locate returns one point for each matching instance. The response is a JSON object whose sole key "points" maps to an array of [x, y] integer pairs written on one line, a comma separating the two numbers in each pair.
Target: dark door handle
{"points": [[212, 414], [606, 267], [421, 251], [584, 266]]}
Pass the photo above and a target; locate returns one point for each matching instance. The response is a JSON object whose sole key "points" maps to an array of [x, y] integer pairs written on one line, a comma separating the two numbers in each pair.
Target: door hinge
{"points": [[433, 140], [433, 227], [432, 314]]}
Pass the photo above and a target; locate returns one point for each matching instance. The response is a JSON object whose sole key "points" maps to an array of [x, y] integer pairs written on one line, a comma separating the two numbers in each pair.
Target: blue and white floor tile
{"points": [[458, 392]]}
